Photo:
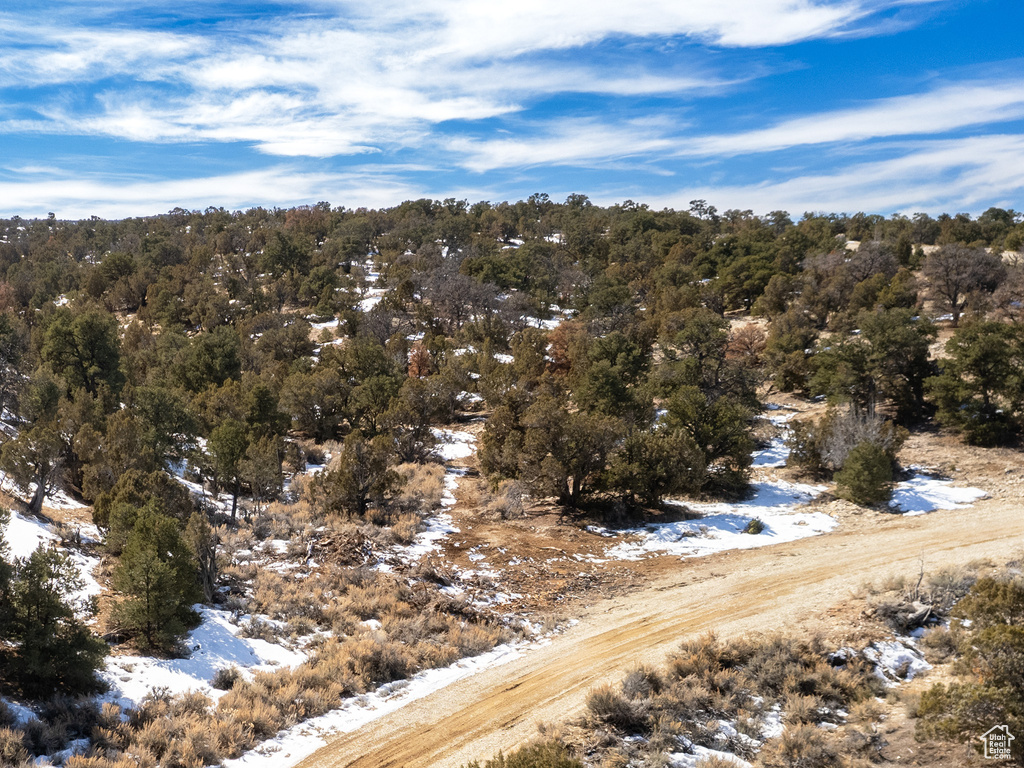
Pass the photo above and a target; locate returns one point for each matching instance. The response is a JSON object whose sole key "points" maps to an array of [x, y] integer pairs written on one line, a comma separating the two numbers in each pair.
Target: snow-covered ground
{"points": [[701, 754], [777, 453], [721, 527], [25, 534], [453, 444], [923, 493], [214, 645], [896, 660]]}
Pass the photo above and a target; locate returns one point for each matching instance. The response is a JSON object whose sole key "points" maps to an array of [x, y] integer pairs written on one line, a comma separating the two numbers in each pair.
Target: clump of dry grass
{"points": [[422, 489]]}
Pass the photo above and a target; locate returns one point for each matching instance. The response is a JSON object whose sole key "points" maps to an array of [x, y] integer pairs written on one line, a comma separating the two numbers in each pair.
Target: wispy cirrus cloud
{"points": [[79, 196], [938, 175], [570, 142], [950, 107], [341, 77]]}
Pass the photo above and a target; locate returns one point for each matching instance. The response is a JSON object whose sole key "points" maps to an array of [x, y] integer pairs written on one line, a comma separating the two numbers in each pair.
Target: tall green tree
{"points": [[565, 452], [651, 465], [227, 447], [157, 574], [49, 648], [82, 347], [362, 476], [955, 271], [720, 429], [980, 388], [34, 460]]}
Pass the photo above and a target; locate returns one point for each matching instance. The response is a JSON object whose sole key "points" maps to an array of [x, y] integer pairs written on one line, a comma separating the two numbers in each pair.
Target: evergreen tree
{"points": [[203, 542], [51, 649], [82, 347], [261, 470], [228, 445], [363, 475], [34, 460], [653, 464], [980, 389], [720, 429], [157, 574], [564, 452], [315, 401], [866, 476]]}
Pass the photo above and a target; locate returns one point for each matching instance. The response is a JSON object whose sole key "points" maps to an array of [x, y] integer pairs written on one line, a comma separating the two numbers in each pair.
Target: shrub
{"points": [[866, 476], [12, 747], [422, 487], [802, 746], [755, 526], [224, 679], [549, 754], [404, 529], [609, 707], [992, 662], [642, 683]]}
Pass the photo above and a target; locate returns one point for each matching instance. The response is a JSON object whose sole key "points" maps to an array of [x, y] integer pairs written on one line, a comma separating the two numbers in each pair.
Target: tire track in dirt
{"points": [[784, 587]]}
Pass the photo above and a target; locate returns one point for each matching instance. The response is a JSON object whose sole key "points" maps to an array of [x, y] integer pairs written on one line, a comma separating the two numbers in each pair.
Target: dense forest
{"points": [[620, 356]]}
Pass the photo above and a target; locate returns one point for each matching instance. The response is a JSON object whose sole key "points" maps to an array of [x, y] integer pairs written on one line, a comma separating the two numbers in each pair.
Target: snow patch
{"points": [[722, 525], [921, 494], [453, 444], [895, 661], [214, 645]]}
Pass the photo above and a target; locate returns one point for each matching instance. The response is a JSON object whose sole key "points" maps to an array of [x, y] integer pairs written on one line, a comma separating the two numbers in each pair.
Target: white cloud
{"points": [[948, 108], [38, 53], [570, 142], [935, 176], [359, 74], [73, 197]]}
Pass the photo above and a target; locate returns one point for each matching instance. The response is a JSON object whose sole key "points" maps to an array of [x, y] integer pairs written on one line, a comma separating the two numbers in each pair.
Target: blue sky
{"points": [[135, 107]]}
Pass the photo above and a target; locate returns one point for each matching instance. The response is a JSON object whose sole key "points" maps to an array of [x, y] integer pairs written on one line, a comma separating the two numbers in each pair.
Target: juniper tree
{"points": [[157, 574], [866, 476], [362, 475], [955, 271], [980, 388], [47, 646]]}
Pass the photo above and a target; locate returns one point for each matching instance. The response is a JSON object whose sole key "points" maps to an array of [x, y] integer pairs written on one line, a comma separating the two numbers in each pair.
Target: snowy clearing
{"points": [[922, 493], [214, 645], [453, 444], [722, 526], [24, 535]]}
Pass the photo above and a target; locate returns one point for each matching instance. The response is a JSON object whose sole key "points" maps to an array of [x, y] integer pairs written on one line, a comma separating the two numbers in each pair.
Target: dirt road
{"points": [[774, 588]]}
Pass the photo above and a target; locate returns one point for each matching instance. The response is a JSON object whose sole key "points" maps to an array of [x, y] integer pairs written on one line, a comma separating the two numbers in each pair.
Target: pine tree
{"points": [[53, 649], [363, 475], [866, 476], [980, 390], [261, 470], [228, 445], [158, 576], [203, 543], [652, 465]]}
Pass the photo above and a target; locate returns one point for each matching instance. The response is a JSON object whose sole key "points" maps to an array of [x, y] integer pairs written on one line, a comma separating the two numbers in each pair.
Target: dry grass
{"points": [[423, 487], [362, 627], [709, 687]]}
